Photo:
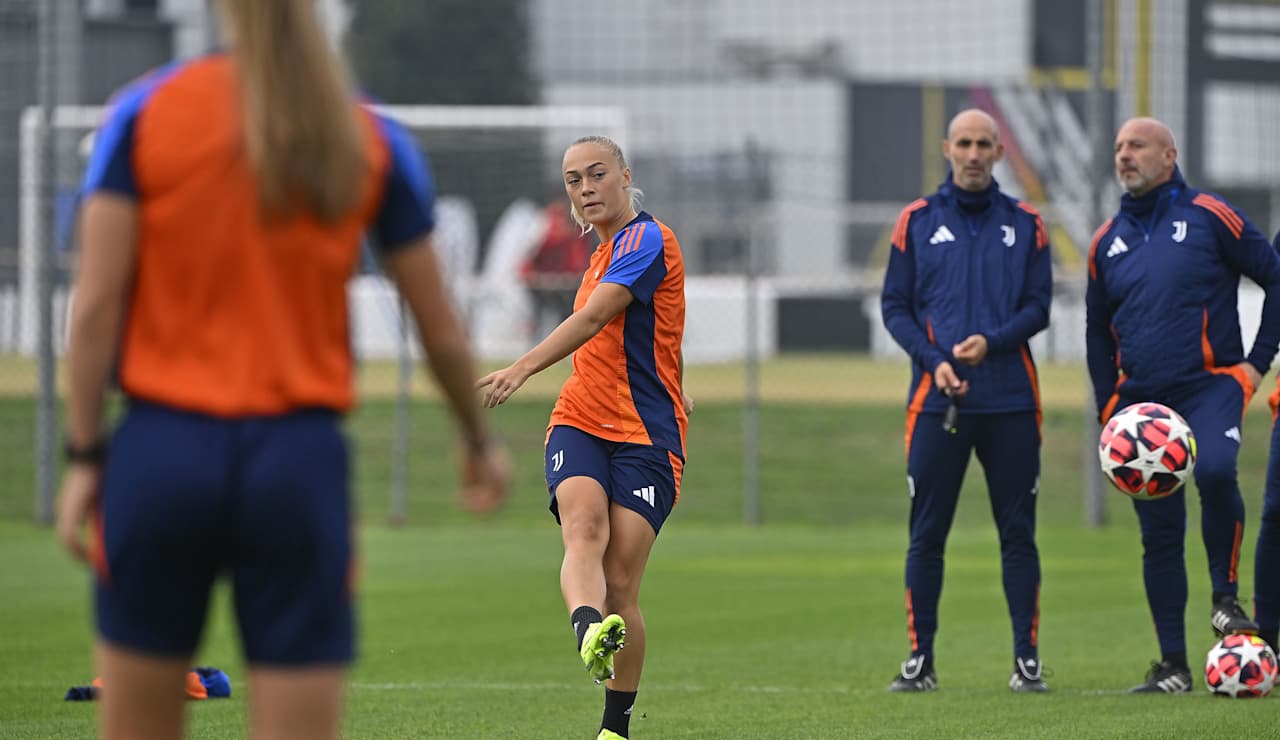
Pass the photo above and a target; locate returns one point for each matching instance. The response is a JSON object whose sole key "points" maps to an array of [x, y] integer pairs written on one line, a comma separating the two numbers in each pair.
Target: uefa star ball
{"points": [[1240, 666], [1147, 450]]}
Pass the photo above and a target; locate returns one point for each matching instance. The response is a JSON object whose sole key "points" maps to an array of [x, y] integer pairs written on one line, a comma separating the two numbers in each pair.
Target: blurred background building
{"points": [[778, 139]]}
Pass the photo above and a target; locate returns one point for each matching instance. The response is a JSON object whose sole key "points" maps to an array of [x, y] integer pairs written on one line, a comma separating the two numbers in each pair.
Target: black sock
{"points": [[1270, 636], [1177, 660], [1217, 597], [583, 617], [617, 711]]}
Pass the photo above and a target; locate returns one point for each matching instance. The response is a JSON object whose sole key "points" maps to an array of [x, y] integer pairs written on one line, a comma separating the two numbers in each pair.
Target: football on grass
{"points": [[1240, 666]]}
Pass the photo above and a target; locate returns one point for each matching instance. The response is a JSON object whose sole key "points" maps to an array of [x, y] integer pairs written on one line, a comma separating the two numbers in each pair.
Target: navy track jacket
{"points": [[953, 273], [1163, 291]]}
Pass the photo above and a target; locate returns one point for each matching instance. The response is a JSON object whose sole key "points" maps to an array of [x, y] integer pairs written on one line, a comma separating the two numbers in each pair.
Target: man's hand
{"points": [[1255, 377], [972, 350], [945, 378]]}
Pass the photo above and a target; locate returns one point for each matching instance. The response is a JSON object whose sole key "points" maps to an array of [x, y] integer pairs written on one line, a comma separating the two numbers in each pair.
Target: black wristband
{"points": [[94, 453]]}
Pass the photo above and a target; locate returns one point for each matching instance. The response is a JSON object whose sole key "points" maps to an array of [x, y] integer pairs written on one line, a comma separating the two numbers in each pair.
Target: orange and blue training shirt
{"points": [[625, 385], [229, 314]]}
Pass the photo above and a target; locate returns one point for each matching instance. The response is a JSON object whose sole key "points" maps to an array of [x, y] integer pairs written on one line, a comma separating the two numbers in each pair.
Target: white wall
{"points": [[715, 322], [1063, 341]]}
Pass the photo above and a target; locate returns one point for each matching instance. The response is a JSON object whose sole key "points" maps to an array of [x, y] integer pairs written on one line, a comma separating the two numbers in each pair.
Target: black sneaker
{"points": [[1229, 619], [917, 674], [1165, 678], [1027, 676]]}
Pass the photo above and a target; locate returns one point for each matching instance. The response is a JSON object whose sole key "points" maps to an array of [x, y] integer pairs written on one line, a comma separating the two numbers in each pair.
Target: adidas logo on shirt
{"points": [[943, 234], [645, 494], [1233, 433], [1117, 247]]}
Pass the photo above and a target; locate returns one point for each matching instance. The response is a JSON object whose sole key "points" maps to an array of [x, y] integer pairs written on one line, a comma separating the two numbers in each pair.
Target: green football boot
{"points": [[602, 640]]}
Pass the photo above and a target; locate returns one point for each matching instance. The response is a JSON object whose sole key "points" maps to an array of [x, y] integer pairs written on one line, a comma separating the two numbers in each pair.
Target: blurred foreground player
{"points": [[224, 207]]}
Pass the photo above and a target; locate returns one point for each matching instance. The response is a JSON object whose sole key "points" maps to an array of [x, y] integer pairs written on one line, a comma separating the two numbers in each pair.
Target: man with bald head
{"points": [[1162, 325], [968, 284]]}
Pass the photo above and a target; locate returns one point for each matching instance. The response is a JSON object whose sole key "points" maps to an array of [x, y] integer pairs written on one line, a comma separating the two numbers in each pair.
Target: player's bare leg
{"points": [[296, 703], [585, 531], [630, 542], [142, 696]]}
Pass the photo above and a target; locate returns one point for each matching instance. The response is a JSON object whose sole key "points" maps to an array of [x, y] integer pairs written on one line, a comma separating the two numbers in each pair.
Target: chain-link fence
{"points": [[779, 141]]}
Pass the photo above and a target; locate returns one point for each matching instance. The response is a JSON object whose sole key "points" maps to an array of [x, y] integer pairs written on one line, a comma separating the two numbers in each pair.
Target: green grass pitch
{"points": [[789, 630]]}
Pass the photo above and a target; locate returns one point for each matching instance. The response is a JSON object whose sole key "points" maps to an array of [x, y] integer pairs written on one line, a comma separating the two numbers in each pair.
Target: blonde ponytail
{"points": [[301, 127]]}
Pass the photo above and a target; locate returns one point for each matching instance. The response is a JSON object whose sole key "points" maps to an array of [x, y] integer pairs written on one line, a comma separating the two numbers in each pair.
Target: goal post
{"points": [[32, 191], [553, 125], [492, 168]]}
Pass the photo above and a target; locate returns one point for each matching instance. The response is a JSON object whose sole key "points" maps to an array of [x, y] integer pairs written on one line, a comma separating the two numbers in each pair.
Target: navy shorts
{"points": [[643, 478], [187, 497]]}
